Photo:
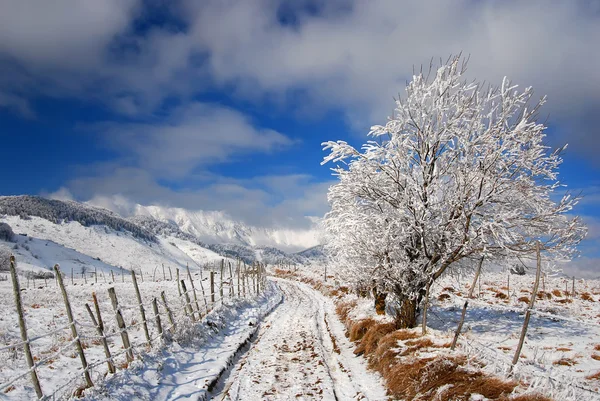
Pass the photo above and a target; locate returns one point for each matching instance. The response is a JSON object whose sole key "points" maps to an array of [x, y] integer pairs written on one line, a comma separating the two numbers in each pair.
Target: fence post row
{"points": [[23, 327], [142, 311], [86, 373], [121, 322]]}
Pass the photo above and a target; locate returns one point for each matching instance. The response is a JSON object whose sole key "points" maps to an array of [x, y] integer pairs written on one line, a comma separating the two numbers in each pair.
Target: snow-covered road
{"points": [[301, 353]]}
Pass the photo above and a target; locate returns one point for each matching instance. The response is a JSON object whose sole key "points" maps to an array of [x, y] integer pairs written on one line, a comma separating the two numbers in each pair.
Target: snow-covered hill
{"points": [[218, 228], [81, 237]]}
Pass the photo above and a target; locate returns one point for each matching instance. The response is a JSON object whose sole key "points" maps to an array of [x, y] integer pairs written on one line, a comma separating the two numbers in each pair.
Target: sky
{"points": [[223, 105]]}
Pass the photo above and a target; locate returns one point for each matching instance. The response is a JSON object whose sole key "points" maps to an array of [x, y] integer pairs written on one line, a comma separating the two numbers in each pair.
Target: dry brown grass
{"points": [[370, 341], [343, 309], [596, 357], [360, 328], [564, 301], [501, 295], [557, 293], [597, 347], [429, 377], [564, 349], [448, 289], [565, 362], [523, 299], [541, 295], [443, 297], [586, 296], [595, 376]]}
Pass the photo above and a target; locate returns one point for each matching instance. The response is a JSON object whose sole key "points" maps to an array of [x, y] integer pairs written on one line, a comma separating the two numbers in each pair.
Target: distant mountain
{"points": [[69, 232], [218, 228]]}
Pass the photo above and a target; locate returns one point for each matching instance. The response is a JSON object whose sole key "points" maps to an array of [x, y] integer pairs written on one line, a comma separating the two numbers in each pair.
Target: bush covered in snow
{"points": [[6, 232], [5, 253]]}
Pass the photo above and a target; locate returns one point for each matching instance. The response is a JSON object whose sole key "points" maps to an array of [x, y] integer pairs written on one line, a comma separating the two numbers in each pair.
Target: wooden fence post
{"points": [[425, 307], [238, 279], [121, 323], [194, 291], [231, 290], [164, 275], [244, 280], [254, 277], [23, 326], [178, 285], [169, 313], [122, 276], [86, 374], [142, 311], [157, 317], [72, 280], [212, 288], [464, 310], [221, 279], [170, 274], [112, 274], [573, 288], [95, 275], [531, 302], [100, 329], [188, 303], [203, 294]]}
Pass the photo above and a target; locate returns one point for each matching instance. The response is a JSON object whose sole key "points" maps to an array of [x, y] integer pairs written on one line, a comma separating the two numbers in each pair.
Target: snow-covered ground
{"points": [[561, 353], [75, 246]]}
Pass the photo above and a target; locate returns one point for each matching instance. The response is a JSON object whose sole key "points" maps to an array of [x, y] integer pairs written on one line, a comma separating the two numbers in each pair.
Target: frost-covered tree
{"points": [[6, 232], [459, 171]]}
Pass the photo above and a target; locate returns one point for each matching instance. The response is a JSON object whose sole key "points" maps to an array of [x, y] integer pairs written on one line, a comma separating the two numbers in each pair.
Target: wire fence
{"points": [[107, 332]]}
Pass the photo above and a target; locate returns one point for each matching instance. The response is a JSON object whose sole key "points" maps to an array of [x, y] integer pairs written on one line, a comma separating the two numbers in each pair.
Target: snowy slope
{"points": [[216, 227], [71, 242]]}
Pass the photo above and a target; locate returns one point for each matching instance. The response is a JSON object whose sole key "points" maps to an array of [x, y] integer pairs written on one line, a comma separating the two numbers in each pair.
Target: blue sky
{"points": [[223, 105]]}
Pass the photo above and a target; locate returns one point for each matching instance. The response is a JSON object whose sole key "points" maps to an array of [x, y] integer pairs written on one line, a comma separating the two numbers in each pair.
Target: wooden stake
{"points": [[157, 318], [100, 329], [142, 311], [121, 323], [95, 275], [221, 279], [169, 313], [112, 274], [23, 326], [122, 276], [72, 276], [531, 302], [194, 291], [188, 303], [244, 281], [164, 275], [231, 291], [178, 285], [425, 306], [86, 374], [573, 288], [212, 288], [238, 278], [170, 274], [203, 294], [464, 311]]}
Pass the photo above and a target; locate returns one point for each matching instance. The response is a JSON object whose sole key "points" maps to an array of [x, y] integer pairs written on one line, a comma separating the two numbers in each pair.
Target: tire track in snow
{"points": [[296, 356]]}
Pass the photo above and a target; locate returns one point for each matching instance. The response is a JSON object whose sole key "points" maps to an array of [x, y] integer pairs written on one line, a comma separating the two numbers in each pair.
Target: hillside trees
{"points": [[460, 171]]}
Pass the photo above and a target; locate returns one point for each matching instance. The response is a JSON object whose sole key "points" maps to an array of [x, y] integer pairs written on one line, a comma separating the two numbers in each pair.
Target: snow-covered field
{"points": [[53, 348], [561, 354]]}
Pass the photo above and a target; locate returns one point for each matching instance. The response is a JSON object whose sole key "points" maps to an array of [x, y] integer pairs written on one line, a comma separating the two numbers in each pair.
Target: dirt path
{"points": [[301, 353]]}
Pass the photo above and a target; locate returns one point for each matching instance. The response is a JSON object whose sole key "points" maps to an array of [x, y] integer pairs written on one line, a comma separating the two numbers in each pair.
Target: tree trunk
{"points": [[379, 301], [406, 315]]}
